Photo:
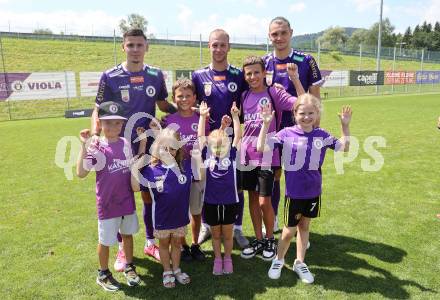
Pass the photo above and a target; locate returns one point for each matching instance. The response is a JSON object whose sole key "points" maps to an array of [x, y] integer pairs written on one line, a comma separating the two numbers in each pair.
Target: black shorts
{"points": [[258, 180], [218, 214], [294, 209]]}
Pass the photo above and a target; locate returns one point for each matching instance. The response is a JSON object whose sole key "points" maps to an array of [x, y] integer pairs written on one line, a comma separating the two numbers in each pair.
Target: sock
{"points": [[239, 220], [276, 196]]}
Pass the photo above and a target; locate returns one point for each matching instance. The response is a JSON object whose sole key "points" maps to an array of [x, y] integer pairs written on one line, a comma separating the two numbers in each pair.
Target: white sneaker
{"points": [[303, 272], [275, 268], [205, 234]]}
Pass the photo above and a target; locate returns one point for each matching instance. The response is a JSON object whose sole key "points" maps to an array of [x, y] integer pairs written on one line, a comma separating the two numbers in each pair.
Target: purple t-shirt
{"points": [[221, 180], [252, 104], [170, 193], [136, 91], [303, 155], [187, 128], [276, 72], [219, 89], [114, 196]]}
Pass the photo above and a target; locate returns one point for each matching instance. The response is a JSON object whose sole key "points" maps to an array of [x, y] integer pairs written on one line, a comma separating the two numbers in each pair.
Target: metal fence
{"points": [[50, 66]]}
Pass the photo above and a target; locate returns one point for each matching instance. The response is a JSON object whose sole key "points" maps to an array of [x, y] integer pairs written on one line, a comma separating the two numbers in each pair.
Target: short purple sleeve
{"points": [[283, 100], [163, 93], [314, 72], [104, 91]]}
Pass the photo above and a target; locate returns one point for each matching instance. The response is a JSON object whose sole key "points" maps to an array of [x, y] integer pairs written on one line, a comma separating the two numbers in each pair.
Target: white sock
{"points": [[238, 227], [205, 225], [150, 242]]}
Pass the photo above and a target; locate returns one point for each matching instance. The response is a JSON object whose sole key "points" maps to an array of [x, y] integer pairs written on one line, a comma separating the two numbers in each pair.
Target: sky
{"points": [[245, 20]]}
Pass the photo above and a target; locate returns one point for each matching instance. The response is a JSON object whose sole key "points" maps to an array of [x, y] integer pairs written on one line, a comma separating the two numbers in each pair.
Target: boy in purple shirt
{"points": [[139, 87], [280, 34], [221, 202], [303, 155], [185, 121], [257, 170], [111, 157]]}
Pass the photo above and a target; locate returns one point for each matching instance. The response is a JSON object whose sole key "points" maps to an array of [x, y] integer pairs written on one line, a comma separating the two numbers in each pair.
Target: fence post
{"points": [[319, 54], [360, 66], [114, 47], [267, 45], [5, 75], [201, 52], [394, 68], [66, 82], [421, 69]]}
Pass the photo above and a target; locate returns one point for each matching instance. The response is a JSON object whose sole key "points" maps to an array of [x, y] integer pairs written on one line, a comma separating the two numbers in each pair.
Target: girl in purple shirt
{"points": [[304, 149]]}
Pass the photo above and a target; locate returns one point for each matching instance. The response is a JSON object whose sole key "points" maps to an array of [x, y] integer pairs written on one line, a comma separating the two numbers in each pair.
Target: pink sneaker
{"points": [[227, 266], [120, 261], [152, 251], [218, 267]]}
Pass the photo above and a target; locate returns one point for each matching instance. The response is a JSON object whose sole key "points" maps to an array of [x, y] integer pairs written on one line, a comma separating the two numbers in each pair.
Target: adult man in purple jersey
{"points": [[280, 34], [219, 85], [138, 87]]}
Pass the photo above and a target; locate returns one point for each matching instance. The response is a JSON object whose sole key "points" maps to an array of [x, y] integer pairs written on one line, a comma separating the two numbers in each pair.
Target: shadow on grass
{"points": [[331, 258]]}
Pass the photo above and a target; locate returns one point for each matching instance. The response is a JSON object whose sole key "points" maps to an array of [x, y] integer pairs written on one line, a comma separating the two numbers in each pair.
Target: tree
{"points": [[134, 21], [407, 37], [43, 31], [388, 40], [333, 38], [437, 27], [358, 37]]}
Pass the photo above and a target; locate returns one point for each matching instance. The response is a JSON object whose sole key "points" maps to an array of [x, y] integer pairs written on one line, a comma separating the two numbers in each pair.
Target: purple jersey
{"points": [[252, 105], [276, 72], [187, 128], [136, 91], [221, 180], [303, 156], [114, 196], [170, 191], [219, 89]]}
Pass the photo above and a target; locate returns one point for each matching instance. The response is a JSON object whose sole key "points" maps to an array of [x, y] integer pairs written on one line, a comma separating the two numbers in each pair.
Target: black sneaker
{"points": [[254, 248], [185, 253], [197, 253], [106, 280], [270, 249], [130, 274]]}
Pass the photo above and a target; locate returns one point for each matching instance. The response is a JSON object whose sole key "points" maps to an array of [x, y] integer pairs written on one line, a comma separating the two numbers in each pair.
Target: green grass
{"points": [[377, 236]]}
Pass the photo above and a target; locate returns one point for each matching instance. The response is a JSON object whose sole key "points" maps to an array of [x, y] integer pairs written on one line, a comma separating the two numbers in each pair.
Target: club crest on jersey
{"points": [[263, 101], [318, 144], [269, 78], [182, 179], [159, 186], [207, 87], [150, 90], [232, 87], [194, 126], [125, 95], [226, 162]]}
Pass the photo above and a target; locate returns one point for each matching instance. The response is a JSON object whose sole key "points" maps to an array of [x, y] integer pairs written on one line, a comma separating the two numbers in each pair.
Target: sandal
{"points": [[181, 277], [168, 279]]}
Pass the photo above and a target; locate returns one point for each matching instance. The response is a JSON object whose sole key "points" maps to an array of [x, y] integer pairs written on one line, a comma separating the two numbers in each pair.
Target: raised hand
{"points": [[279, 86], [267, 114], [204, 109], [292, 70], [226, 122], [84, 135], [140, 131], [345, 115], [235, 112], [154, 124]]}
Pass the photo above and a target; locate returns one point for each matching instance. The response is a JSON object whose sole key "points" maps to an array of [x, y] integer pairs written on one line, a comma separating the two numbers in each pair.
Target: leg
{"points": [[181, 277], [196, 222], [227, 233], [103, 254], [217, 241], [128, 247], [241, 240], [164, 250], [276, 201], [302, 238], [284, 243], [255, 212], [265, 206]]}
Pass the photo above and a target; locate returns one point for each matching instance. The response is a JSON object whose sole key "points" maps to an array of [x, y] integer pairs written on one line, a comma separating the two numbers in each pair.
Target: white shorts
{"points": [[109, 228], [195, 197]]}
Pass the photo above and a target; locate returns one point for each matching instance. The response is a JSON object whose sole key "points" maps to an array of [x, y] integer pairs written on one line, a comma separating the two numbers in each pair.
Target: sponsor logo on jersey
{"points": [[153, 72], [281, 66], [137, 79], [182, 179], [125, 95], [314, 68], [207, 87], [298, 58], [234, 71], [138, 88], [263, 101], [100, 95], [219, 78], [232, 87], [269, 78], [124, 87], [150, 90], [226, 162]]}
